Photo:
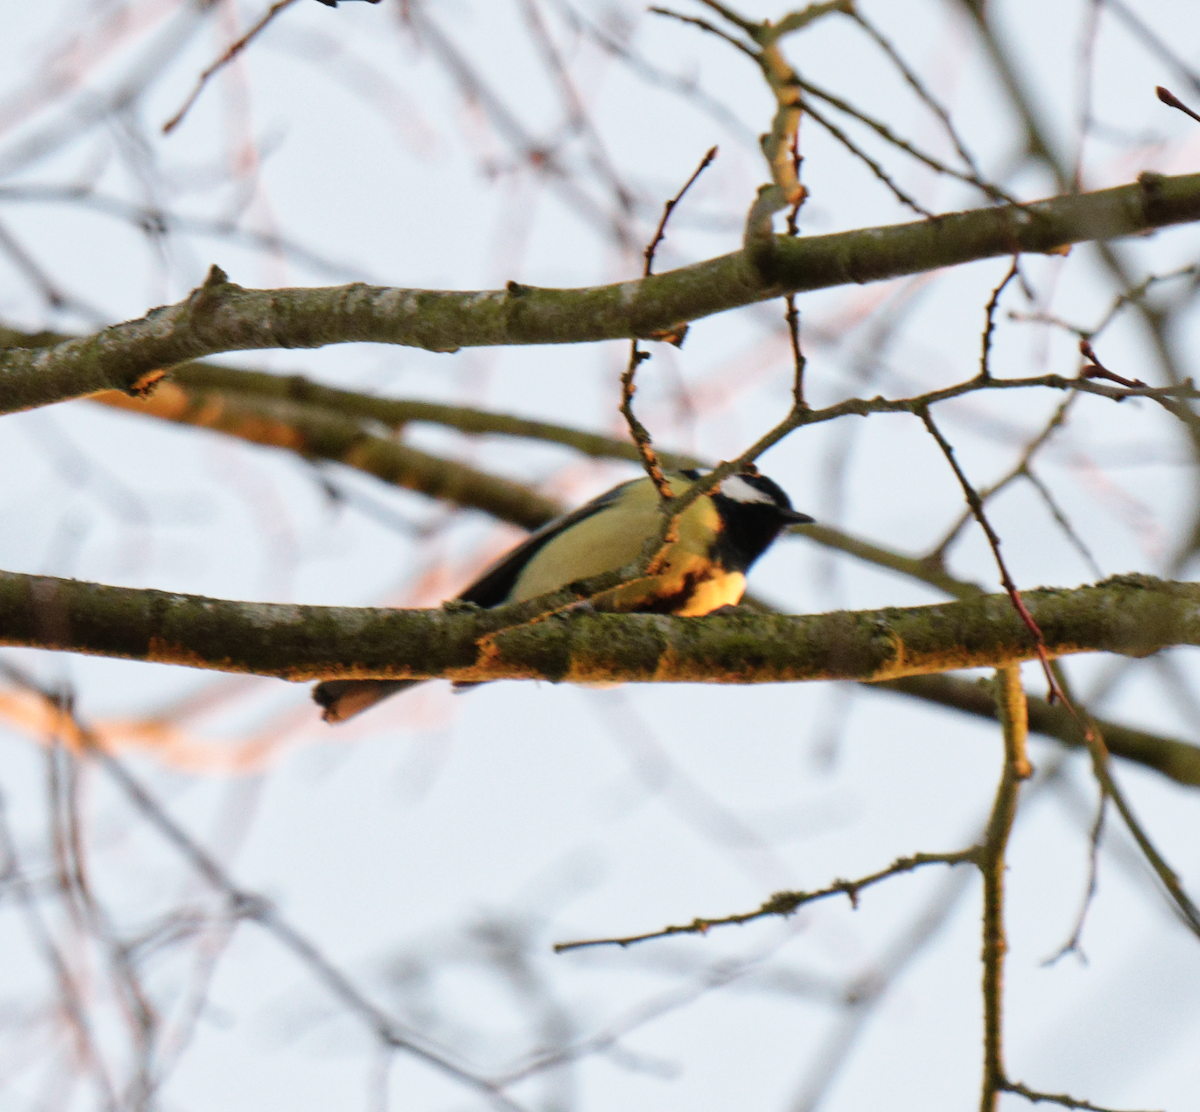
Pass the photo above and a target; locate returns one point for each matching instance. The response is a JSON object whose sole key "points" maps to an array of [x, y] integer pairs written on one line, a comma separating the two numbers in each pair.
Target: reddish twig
{"points": [[989, 327], [1168, 97], [1096, 369], [993, 539], [639, 432], [661, 231], [1093, 740], [234, 50]]}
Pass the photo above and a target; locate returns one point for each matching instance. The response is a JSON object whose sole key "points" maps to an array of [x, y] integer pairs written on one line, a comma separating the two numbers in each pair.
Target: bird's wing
{"points": [[495, 584]]}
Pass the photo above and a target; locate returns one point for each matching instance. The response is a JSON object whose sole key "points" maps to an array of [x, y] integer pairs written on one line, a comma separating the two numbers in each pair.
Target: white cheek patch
{"points": [[738, 490]]}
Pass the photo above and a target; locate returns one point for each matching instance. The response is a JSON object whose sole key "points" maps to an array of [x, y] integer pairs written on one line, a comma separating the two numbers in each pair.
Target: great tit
{"points": [[718, 537]]}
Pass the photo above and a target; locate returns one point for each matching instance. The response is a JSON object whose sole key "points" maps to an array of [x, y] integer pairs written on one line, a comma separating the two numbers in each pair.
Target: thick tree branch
{"points": [[221, 316], [1131, 615], [181, 630], [317, 433], [1173, 758]]}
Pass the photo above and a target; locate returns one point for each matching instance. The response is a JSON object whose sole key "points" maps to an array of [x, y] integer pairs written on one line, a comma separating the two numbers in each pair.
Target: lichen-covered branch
{"points": [[221, 316], [1132, 615]]}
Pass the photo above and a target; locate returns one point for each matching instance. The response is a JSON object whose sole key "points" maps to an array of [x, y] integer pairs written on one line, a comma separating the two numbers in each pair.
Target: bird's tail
{"points": [[342, 699]]}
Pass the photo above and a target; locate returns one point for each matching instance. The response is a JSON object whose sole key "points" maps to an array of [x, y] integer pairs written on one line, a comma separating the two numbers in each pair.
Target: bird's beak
{"points": [[795, 517]]}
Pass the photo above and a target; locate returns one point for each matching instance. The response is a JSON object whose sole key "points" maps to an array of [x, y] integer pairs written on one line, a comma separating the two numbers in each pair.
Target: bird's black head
{"points": [[754, 511]]}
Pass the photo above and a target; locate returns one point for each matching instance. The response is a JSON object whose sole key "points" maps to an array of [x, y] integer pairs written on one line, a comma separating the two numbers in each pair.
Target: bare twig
{"points": [[1063, 522], [661, 231], [786, 903], [871, 164], [577, 114], [976, 504], [86, 1050], [989, 328], [248, 905], [234, 50], [937, 555], [884, 132], [705, 25], [792, 314], [1189, 913], [1168, 97], [1099, 753], [1061, 1099], [1096, 369], [639, 432], [1095, 743], [1073, 944], [935, 106]]}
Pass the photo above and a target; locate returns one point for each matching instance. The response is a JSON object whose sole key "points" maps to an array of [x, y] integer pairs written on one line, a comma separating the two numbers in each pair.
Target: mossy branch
{"points": [[1131, 615], [221, 316]]}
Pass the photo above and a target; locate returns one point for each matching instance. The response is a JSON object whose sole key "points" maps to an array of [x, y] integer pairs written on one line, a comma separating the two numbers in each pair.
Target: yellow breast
{"points": [[614, 537]]}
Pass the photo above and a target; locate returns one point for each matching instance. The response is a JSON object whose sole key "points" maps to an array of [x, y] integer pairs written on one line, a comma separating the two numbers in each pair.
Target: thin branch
{"points": [[221, 316], [989, 328], [540, 156], [1188, 911], [1129, 296], [1062, 1099], [705, 25], [234, 50], [1168, 97], [644, 69], [992, 861], [884, 132], [1101, 769], [993, 539], [935, 106], [1156, 44], [85, 1046], [576, 112], [937, 555], [638, 431], [661, 231], [791, 313], [870, 163], [1063, 522], [1129, 615], [256, 908], [1099, 753], [784, 904], [1178, 760], [1073, 945], [158, 221]]}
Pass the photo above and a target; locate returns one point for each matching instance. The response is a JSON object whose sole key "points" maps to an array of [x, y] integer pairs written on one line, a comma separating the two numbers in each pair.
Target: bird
{"points": [[718, 537]]}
